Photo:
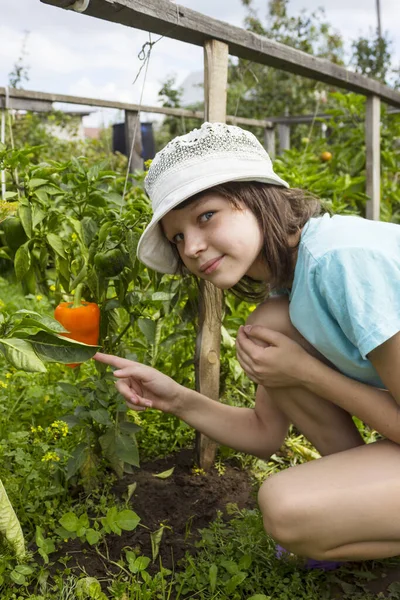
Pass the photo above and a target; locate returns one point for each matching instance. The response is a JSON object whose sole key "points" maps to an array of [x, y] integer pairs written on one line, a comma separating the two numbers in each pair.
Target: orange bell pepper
{"points": [[81, 319]]}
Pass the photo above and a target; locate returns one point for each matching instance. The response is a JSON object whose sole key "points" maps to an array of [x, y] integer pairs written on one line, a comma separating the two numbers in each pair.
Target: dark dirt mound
{"points": [[185, 501]]}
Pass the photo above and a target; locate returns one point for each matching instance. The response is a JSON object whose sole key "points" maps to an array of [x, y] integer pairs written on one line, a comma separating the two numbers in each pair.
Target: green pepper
{"points": [[110, 263], [14, 233]]}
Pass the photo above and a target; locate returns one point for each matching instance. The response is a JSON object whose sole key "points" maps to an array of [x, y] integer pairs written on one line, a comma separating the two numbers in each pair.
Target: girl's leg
{"points": [[341, 507], [328, 427], [329, 509]]}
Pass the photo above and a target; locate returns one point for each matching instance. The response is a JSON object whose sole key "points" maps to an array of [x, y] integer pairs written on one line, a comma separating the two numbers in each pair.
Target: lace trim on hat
{"points": [[211, 138]]}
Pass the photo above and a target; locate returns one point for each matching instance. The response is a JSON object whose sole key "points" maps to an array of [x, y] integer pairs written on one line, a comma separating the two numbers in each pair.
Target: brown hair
{"points": [[281, 212]]}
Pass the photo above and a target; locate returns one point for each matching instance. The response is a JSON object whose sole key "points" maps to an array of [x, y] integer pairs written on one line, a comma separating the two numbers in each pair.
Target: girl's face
{"points": [[216, 241]]}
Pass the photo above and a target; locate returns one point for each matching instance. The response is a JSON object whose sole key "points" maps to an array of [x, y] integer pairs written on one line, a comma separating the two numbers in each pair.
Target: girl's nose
{"points": [[194, 244]]}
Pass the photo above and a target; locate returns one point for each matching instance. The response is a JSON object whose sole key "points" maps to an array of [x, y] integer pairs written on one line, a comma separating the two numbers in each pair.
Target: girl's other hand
{"points": [[270, 358], [142, 386]]}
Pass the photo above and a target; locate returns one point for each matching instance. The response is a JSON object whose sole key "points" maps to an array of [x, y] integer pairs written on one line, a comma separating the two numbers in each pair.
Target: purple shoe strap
{"points": [[311, 563]]}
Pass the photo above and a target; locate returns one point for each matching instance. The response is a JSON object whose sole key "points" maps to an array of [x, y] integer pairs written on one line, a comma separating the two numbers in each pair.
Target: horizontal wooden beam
{"points": [[14, 96], [178, 22]]}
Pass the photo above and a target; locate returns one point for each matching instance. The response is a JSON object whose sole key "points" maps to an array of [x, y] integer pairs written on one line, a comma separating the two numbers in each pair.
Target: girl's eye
{"points": [[202, 218], [207, 215], [176, 239]]}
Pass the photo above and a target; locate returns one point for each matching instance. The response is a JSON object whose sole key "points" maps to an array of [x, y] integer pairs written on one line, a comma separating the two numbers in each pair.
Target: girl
{"points": [[324, 347]]}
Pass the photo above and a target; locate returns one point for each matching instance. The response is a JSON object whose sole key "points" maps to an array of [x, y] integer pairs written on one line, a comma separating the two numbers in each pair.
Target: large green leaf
{"points": [[126, 449], [21, 355], [57, 348], [34, 319], [10, 527], [127, 519], [22, 261], [57, 244]]}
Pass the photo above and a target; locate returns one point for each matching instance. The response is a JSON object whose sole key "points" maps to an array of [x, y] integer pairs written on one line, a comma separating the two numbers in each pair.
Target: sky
{"points": [[71, 53]]}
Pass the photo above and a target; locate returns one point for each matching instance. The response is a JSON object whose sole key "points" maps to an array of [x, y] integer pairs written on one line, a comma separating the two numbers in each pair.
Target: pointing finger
{"points": [[114, 361]]}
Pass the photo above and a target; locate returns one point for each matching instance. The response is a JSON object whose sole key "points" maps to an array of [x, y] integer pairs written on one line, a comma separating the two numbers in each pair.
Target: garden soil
{"points": [[186, 502]]}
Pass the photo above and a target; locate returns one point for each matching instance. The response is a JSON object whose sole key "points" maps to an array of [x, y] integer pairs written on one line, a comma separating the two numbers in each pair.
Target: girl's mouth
{"points": [[214, 265]]}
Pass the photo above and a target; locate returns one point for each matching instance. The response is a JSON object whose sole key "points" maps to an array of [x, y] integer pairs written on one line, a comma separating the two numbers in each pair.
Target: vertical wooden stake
{"points": [[373, 159], [207, 358], [284, 137], [132, 129], [269, 141]]}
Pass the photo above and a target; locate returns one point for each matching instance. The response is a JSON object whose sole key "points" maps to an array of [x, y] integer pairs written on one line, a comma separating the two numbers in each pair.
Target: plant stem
{"points": [[78, 295]]}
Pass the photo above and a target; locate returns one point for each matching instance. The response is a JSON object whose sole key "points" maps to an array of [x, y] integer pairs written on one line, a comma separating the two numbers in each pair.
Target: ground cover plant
{"points": [[110, 502]]}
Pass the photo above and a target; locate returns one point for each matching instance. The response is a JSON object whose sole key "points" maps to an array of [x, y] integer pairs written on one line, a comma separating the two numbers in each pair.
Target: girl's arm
{"points": [[380, 409], [281, 362], [260, 431]]}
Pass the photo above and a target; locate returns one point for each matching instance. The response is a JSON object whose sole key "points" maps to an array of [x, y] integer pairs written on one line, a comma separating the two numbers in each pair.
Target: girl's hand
{"points": [[142, 386], [270, 358]]}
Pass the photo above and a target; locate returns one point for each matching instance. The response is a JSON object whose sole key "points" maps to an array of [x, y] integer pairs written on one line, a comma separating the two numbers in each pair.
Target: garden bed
{"points": [[185, 502]]}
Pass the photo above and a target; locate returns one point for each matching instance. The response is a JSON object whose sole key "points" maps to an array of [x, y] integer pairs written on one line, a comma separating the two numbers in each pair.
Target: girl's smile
{"points": [[216, 239]]}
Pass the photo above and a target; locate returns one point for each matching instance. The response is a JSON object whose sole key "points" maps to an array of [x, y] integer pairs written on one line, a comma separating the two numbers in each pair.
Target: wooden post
{"points": [[269, 141], [284, 137], [373, 162], [132, 130], [208, 341]]}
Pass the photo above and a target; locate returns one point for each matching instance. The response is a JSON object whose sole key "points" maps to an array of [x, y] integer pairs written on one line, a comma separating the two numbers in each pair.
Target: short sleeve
{"points": [[361, 289]]}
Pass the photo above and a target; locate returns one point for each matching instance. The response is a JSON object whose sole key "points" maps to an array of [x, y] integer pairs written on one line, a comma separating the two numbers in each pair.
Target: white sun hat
{"points": [[191, 163]]}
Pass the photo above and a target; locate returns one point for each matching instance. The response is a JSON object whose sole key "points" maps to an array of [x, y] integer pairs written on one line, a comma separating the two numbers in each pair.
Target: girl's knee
{"points": [[274, 314], [280, 510]]}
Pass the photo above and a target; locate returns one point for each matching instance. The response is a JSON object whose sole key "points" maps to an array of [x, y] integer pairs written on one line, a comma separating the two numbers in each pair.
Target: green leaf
{"points": [[155, 538], [17, 578], [39, 538], [212, 576], [24, 569], [245, 562], [259, 597], [10, 195], [164, 474], [22, 261], [37, 216], [25, 214], [21, 355], [139, 564], [57, 348], [77, 459], [34, 319], [57, 244], [148, 328], [101, 416], [234, 581], [33, 183], [126, 449], [89, 229], [163, 296], [69, 521], [128, 520], [128, 427], [10, 527], [92, 536], [108, 446], [111, 520]]}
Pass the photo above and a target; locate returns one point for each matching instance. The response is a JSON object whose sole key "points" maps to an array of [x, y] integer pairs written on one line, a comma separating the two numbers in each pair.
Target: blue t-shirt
{"points": [[345, 297]]}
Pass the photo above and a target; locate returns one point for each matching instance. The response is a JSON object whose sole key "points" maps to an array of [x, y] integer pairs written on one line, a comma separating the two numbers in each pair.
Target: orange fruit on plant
{"points": [[326, 156]]}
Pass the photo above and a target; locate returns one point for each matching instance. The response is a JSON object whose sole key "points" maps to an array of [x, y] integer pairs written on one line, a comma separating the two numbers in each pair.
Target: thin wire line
{"points": [[146, 58]]}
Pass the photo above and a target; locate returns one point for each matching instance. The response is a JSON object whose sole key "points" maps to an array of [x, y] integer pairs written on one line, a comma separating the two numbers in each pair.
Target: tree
{"points": [[259, 91], [372, 57], [20, 70]]}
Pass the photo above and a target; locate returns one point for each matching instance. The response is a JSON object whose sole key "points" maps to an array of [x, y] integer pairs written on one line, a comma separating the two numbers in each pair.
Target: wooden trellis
{"points": [[218, 38]]}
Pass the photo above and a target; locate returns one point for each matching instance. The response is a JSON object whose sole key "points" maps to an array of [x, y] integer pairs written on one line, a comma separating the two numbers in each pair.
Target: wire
{"points": [[144, 55]]}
